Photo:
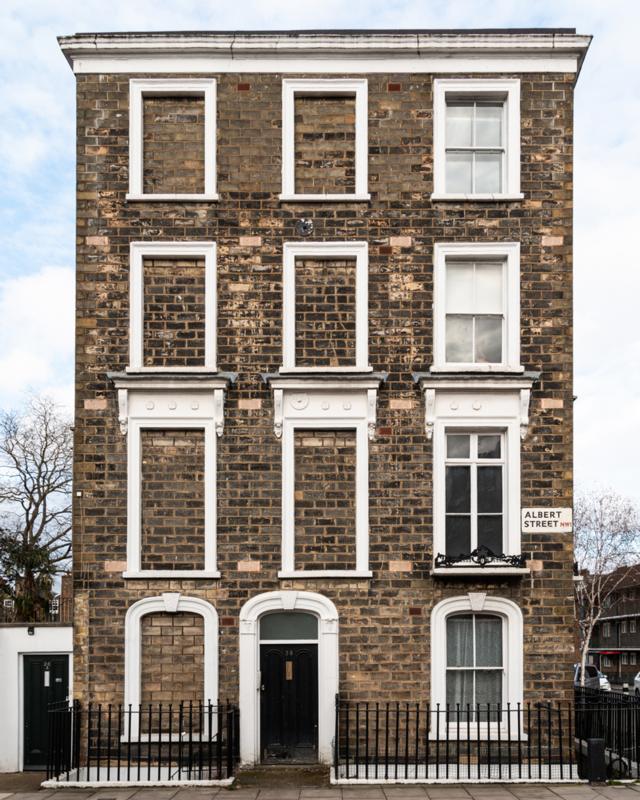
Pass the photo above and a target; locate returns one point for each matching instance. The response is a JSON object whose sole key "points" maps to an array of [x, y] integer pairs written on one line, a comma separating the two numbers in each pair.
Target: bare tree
{"points": [[606, 549], [35, 501]]}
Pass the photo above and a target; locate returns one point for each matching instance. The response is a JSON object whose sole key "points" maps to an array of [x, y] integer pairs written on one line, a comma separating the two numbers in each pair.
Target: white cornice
{"points": [[325, 52]]}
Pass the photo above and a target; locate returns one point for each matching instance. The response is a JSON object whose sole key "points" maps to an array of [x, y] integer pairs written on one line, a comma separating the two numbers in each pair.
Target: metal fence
{"points": [[58, 611], [613, 717], [146, 744], [484, 742]]}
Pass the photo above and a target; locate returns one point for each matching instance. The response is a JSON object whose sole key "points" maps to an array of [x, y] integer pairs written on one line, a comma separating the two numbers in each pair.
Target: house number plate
{"points": [[551, 520]]}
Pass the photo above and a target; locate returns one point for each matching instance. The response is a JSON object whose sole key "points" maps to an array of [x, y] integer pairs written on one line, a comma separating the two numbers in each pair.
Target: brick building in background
{"points": [[323, 362]]}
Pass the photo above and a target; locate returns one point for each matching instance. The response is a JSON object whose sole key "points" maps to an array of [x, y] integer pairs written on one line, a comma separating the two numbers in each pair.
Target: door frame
{"points": [[250, 614], [21, 719]]}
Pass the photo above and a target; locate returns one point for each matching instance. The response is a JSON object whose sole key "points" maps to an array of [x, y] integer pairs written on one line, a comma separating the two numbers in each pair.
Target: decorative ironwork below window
{"points": [[480, 557]]}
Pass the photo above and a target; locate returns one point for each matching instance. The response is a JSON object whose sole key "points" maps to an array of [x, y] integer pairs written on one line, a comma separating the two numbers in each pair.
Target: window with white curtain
{"points": [[474, 496], [475, 665], [474, 146], [475, 312]]}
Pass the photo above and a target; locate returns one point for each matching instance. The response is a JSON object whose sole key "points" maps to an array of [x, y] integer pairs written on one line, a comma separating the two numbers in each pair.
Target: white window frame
{"points": [[192, 412], [632, 626], [139, 88], [325, 250], [607, 661], [473, 462], [330, 87], [509, 252], [510, 430], [330, 409], [624, 658], [170, 603], [623, 626], [512, 649], [138, 252], [606, 630], [506, 89]]}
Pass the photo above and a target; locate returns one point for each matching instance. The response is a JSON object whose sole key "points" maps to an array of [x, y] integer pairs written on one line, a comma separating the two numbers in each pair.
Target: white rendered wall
{"points": [[14, 643]]}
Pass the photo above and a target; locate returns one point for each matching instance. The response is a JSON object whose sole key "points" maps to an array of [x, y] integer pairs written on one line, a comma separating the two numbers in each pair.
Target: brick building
{"points": [[323, 362]]}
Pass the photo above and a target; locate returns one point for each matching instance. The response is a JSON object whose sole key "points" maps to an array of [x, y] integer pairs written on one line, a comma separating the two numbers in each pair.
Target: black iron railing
{"points": [[492, 742], [480, 557], [58, 611], [613, 717], [143, 744]]}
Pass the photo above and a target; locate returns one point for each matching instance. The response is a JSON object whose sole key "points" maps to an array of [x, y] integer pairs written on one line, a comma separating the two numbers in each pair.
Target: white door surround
{"points": [[250, 614]]}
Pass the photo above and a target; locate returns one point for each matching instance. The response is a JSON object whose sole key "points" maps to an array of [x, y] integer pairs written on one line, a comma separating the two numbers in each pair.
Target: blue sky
{"points": [[37, 185]]}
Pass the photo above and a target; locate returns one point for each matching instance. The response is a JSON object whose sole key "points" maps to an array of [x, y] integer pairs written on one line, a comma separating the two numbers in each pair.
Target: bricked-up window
{"points": [[172, 139], [325, 312], [325, 306], [172, 306], [174, 312], [474, 495], [173, 145], [172, 499], [476, 139], [324, 139], [477, 306], [325, 145], [325, 499], [172, 662]]}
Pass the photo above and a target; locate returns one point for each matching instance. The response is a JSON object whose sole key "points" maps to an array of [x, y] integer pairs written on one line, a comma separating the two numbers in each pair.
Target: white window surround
{"points": [[250, 614], [172, 404], [170, 603], [308, 404], [509, 252], [138, 252], [329, 87], [512, 647], [325, 250], [510, 430], [139, 88], [507, 89]]}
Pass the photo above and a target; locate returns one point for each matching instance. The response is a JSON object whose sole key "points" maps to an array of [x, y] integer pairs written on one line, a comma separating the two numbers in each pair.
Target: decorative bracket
{"points": [[371, 413], [123, 410], [429, 411], [278, 413], [218, 411], [525, 399]]}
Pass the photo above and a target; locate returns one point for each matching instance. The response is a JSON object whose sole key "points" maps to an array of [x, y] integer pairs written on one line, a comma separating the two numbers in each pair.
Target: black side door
{"points": [[46, 680], [289, 706]]}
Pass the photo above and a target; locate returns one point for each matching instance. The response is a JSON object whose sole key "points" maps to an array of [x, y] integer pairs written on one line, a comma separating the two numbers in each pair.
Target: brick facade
{"points": [[384, 621]]}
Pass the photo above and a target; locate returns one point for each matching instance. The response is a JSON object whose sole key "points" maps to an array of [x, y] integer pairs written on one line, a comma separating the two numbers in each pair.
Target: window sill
{"points": [[325, 198], [171, 370], [476, 198], [490, 572], [178, 198], [325, 573], [324, 370], [459, 733], [174, 738], [168, 574]]}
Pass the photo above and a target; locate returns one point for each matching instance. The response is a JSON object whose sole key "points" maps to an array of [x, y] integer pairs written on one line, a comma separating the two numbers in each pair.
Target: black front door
{"points": [[46, 680], [289, 707]]}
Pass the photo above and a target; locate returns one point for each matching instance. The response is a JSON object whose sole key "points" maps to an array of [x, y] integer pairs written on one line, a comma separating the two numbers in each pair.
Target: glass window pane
{"points": [[458, 536], [458, 445], [458, 339], [489, 490], [459, 124], [459, 288], [489, 445], [489, 687], [488, 641], [458, 173], [488, 299], [488, 340], [488, 173], [490, 533], [489, 125], [460, 641], [289, 625], [459, 688], [458, 490]]}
